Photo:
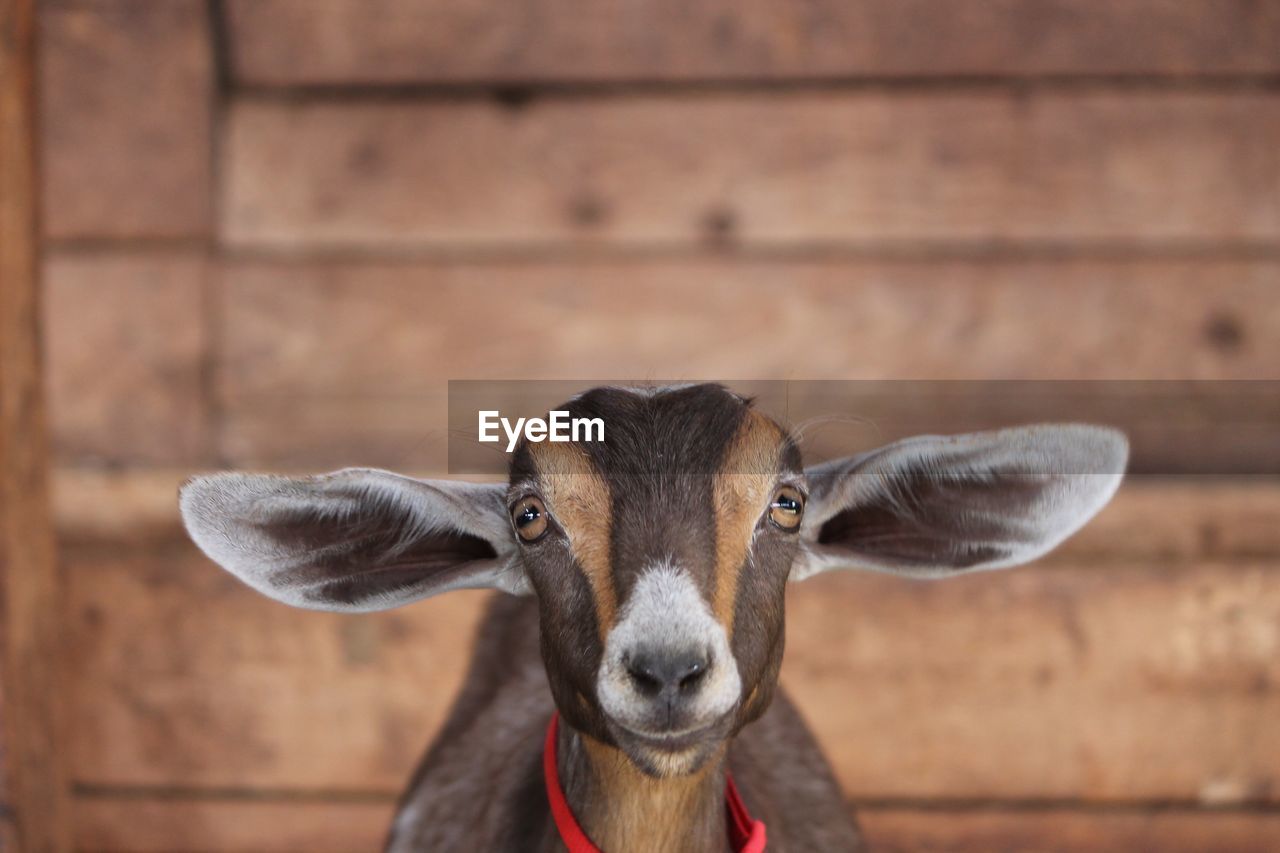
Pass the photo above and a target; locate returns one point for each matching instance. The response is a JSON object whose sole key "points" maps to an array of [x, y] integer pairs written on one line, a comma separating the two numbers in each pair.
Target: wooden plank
{"points": [[6, 811], [1169, 425], [398, 330], [1155, 521], [30, 594], [861, 168], [127, 354], [117, 506], [133, 824], [980, 830], [243, 692], [140, 824], [331, 364], [126, 98], [405, 433], [346, 42], [1074, 681], [1045, 684]]}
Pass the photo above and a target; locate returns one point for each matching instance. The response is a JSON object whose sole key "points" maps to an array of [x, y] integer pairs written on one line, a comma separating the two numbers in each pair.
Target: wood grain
{"points": [[399, 329], [112, 507], [1045, 684], [127, 355], [355, 42], [1033, 684], [328, 364], [781, 170], [408, 433], [243, 692], [30, 593], [126, 98], [959, 830], [134, 824], [1156, 521]]}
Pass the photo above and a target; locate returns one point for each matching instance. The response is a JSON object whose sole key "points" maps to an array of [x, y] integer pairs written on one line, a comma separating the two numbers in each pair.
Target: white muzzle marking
{"points": [[666, 610]]}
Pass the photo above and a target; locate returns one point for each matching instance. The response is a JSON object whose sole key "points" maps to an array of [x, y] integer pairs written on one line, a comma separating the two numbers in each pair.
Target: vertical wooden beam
{"points": [[29, 602]]}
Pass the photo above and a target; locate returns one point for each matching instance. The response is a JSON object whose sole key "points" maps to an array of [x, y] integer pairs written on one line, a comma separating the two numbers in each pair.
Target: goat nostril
{"points": [[646, 679], [693, 676]]}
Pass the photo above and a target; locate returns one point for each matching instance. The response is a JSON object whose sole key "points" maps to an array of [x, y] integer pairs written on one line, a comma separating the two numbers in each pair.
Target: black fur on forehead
{"points": [[680, 430]]}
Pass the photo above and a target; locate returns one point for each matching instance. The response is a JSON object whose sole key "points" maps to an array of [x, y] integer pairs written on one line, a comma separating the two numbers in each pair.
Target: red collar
{"points": [[745, 835]]}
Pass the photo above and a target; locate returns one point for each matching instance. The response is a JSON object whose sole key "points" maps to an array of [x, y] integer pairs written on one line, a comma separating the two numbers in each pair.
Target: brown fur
{"points": [[480, 784], [684, 476], [622, 804]]}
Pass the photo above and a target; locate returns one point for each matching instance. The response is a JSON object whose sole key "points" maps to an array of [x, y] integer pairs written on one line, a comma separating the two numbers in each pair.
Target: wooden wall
{"points": [[33, 749], [275, 228]]}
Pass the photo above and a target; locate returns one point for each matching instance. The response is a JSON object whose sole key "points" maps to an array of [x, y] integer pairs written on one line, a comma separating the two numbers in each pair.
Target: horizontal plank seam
{"points": [[518, 93], [1060, 804], [565, 250], [1253, 390], [71, 246], [290, 795]]}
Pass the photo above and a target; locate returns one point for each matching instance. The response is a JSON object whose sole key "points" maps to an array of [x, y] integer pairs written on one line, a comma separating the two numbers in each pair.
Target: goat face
{"points": [[660, 558]]}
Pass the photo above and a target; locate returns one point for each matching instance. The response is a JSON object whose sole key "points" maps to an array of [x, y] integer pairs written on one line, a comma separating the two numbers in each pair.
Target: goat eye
{"points": [[530, 519], [786, 508]]}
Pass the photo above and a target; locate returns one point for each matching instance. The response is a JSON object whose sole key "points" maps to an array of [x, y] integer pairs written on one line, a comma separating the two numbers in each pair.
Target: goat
{"points": [[610, 692]]}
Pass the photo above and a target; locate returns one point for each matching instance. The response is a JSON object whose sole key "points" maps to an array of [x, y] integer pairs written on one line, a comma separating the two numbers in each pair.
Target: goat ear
{"points": [[354, 540], [936, 506]]}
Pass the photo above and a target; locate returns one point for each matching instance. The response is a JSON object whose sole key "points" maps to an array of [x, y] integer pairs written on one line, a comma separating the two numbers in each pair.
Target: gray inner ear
{"points": [[923, 520], [933, 506], [343, 555], [354, 540]]}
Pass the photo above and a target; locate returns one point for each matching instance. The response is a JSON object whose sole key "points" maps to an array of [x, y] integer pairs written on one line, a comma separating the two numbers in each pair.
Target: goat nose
{"points": [[656, 672]]}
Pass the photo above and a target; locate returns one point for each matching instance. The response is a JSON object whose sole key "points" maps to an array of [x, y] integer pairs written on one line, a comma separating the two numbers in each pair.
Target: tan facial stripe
{"points": [[743, 489], [578, 498]]}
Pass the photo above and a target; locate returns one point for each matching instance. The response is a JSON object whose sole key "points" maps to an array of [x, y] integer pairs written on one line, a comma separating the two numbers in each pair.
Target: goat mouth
{"points": [[675, 740], [670, 741]]}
